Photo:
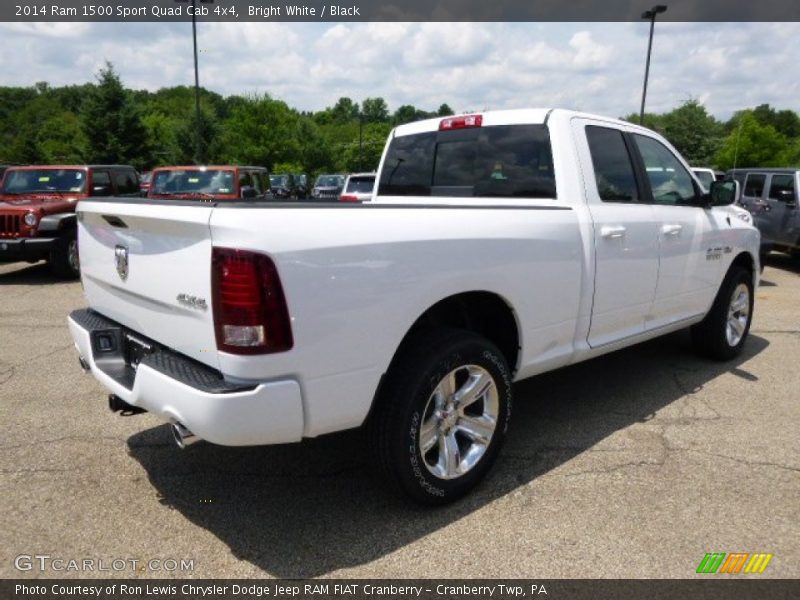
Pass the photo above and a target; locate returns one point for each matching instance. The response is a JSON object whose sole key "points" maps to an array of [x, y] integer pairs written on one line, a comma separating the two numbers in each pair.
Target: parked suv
{"points": [[37, 210], [771, 197], [328, 187], [284, 186], [210, 183]]}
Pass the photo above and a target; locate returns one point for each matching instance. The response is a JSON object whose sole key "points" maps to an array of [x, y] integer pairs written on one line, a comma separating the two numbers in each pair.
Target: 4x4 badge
{"points": [[121, 258]]}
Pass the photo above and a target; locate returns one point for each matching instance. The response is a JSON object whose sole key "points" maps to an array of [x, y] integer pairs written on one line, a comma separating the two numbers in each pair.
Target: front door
{"points": [[690, 240]]}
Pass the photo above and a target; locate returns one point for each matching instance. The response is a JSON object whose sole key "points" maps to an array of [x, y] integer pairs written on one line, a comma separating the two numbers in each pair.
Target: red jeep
{"points": [[37, 210]]}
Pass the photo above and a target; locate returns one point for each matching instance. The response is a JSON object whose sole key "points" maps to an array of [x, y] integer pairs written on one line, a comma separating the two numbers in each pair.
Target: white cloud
{"points": [[593, 66]]}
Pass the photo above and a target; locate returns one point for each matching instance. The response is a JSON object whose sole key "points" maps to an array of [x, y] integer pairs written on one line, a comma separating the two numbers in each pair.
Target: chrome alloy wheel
{"points": [[459, 421], [738, 314]]}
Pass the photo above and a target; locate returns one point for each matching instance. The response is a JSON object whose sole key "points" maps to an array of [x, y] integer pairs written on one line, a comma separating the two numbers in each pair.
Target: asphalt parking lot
{"points": [[631, 465]]}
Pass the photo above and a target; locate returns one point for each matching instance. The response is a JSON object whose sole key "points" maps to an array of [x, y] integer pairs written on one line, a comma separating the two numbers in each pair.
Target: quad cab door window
{"points": [[670, 182]]}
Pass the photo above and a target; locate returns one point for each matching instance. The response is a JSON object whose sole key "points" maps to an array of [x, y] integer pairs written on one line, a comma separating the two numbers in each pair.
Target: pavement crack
{"points": [[750, 463]]}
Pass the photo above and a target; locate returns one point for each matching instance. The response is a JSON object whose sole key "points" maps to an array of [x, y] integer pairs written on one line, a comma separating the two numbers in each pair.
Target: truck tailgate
{"points": [[148, 267]]}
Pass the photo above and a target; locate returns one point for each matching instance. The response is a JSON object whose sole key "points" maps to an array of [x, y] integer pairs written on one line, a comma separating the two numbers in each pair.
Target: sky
{"points": [[595, 67]]}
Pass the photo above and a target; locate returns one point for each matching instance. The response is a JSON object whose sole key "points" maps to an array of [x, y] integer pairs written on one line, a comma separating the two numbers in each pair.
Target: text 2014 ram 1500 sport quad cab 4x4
{"points": [[498, 246]]}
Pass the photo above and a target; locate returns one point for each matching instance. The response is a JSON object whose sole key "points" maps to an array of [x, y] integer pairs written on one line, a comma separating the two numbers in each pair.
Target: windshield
{"points": [[146, 177], [330, 181], [278, 180], [193, 181], [43, 181], [360, 185]]}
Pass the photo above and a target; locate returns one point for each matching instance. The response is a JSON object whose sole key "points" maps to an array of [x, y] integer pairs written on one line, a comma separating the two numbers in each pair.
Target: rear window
{"points": [[360, 185], [505, 161]]}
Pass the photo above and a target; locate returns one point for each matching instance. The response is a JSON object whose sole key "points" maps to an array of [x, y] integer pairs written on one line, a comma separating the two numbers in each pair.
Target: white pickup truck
{"points": [[496, 246]]}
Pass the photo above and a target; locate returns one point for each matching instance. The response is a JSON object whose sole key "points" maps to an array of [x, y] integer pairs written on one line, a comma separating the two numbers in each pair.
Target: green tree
{"points": [[693, 132], [751, 144], [112, 123], [444, 111], [375, 110], [61, 139]]}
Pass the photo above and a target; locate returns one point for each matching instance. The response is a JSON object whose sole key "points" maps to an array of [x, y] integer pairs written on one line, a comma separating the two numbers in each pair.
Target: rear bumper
{"points": [[178, 389], [25, 249]]}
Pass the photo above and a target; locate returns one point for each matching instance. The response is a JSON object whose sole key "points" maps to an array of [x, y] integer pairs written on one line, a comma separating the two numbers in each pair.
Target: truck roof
{"points": [[518, 116]]}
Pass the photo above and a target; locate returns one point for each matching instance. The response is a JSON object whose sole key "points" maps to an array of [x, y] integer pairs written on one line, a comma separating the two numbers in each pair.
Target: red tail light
{"points": [[348, 198], [250, 313], [462, 122]]}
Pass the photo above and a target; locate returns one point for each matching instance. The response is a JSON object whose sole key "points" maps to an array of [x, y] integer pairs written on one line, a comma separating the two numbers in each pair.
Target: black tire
{"points": [[64, 261], [710, 337], [395, 426]]}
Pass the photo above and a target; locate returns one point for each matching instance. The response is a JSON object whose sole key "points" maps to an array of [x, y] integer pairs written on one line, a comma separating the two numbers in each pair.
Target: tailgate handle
{"points": [[115, 221]]}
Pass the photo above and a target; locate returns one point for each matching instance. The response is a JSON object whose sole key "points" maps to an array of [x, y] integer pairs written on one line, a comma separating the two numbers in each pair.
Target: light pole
{"points": [[198, 133], [649, 14], [360, 140]]}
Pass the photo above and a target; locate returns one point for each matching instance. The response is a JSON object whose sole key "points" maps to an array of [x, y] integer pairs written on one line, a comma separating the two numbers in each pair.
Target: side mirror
{"points": [[723, 193], [248, 193]]}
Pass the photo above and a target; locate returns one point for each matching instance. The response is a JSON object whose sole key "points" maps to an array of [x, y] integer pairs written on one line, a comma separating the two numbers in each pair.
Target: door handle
{"points": [[672, 230], [612, 232]]}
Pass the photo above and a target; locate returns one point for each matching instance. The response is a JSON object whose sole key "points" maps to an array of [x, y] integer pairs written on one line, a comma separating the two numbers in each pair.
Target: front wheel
{"points": [[722, 334], [442, 416], [64, 260]]}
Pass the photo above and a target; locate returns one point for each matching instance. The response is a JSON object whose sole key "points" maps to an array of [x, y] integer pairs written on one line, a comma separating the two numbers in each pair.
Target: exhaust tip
{"points": [[182, 436]]}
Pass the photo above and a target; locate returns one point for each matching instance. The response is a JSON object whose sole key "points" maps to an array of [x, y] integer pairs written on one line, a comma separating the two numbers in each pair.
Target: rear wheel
{"points": [[64, 261], [441, 418], [722, 334]]}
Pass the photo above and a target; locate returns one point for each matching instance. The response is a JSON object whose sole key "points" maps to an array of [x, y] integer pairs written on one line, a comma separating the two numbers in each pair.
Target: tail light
{"points": [[462, 122], [348, 198], [250, 312]]}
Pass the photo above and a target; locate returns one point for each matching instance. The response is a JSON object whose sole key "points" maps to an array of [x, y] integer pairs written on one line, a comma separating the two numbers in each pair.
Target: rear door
{"points": [[625, 233], [148, 267]]}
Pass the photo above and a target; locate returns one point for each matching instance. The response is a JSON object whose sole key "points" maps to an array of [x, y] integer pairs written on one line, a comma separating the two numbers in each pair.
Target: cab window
{"points": [[613, 169], [101, 184], [501, 161], [126, 183], [782, 188], [670, 182]]}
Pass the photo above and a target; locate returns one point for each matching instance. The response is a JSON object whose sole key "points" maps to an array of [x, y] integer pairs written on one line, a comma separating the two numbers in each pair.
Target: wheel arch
{"points": [[485, 313]]}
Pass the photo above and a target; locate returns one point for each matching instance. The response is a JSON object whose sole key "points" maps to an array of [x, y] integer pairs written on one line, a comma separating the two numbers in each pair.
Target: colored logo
{"points": [[733, 563]]}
